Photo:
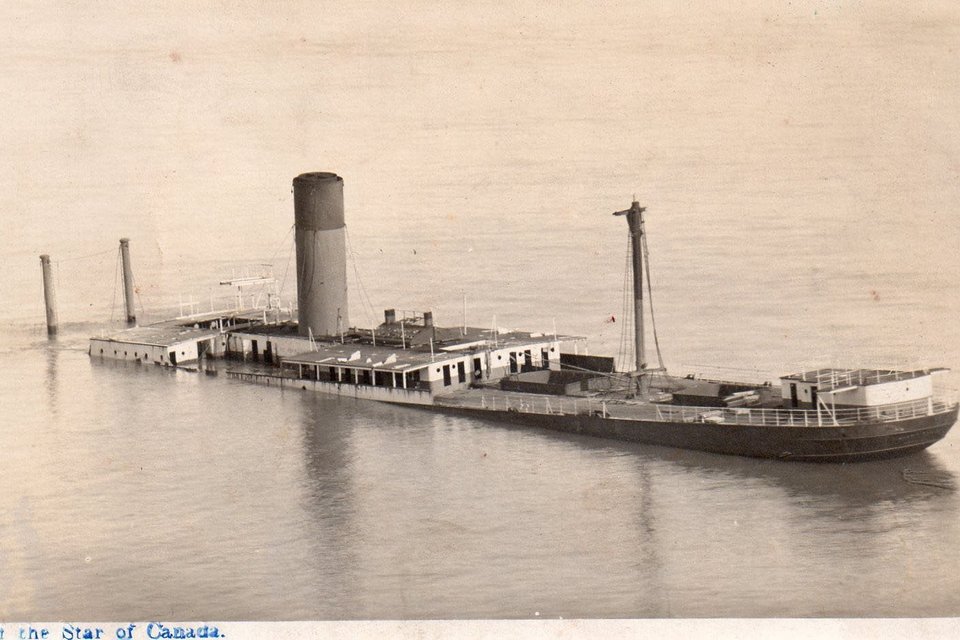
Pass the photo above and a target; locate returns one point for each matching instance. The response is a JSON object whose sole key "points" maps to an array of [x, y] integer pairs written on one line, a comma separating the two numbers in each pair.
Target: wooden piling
{"points": [[49, 295], [127, 280]]}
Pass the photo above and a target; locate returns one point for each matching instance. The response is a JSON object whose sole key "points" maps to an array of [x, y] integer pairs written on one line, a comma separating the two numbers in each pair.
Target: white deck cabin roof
{"points": [[835, 378]]}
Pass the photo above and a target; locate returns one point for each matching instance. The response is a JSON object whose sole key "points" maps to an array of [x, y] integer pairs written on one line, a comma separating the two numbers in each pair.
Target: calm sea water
{"points": [[800, 173]]}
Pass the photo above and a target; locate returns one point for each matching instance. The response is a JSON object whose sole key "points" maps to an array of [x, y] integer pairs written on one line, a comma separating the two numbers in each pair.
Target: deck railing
{"points": [[625, 410], [828, 379]]}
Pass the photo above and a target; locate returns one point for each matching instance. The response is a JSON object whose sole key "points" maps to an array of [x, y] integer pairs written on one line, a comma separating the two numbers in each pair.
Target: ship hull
{"points": [[848, 443], [851, 442]]}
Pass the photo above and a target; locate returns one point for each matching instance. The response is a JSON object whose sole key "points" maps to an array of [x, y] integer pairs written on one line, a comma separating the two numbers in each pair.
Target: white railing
{"points": [[719, 415], [524, 403], [828, 379]]}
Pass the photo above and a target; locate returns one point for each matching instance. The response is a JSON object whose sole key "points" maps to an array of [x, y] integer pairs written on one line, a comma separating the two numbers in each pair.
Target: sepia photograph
{"points": [[538, 315]]}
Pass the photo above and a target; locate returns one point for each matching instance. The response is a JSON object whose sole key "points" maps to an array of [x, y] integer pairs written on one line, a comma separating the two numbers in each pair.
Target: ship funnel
{"points": [[321, 254]]}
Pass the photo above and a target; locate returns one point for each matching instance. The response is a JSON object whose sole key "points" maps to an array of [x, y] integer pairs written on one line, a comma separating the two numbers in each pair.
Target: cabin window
{"points": [[413, 378]]}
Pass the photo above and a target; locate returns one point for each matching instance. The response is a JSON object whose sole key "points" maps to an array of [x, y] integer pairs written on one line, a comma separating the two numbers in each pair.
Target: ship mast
{"points": [[635, 222]]}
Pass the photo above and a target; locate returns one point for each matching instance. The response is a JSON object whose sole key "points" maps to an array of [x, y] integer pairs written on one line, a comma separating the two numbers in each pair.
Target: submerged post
{"points": [[127, 280], [49, 296], [635, 221]]}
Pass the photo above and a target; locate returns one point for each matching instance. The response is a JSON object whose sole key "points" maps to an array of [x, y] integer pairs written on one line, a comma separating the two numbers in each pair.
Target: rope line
{"points": [[89, 255], [286, 266], [116, 272], [364, 298], [136, 292], [653, 317], [626, 349], [282, 243]]}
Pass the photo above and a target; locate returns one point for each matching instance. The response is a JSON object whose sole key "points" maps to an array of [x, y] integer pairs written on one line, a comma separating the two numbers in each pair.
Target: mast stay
{"points": [[639, 257]]}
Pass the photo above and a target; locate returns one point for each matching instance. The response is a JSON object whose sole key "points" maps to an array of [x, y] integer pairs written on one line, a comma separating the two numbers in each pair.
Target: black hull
{"points": [[848, 443]]}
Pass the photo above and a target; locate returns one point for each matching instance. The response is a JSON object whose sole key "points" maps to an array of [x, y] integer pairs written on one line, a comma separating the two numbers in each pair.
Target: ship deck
{"points": [[495, 400]]}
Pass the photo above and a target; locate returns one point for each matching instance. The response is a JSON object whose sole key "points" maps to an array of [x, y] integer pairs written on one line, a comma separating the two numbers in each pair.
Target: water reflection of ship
{"points": [[649, 506], [918, 477]]}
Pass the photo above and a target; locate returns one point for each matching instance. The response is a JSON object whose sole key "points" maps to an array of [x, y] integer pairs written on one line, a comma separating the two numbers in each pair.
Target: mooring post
{"points": [[49, 295], [127, 280]]}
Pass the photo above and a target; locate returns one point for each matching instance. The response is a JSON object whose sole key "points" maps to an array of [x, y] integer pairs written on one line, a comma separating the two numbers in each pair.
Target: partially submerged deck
{"points": [[495, 400]]}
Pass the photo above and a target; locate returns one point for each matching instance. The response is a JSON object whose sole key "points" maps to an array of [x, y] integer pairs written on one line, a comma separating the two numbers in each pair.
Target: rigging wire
{"points": [[136, 292], [624, 351], [116, 271], [286, 264], [301, 267], [653, 318], [282, 243], [84, 257], [286, 267], [364, 298], [87, 256]]}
